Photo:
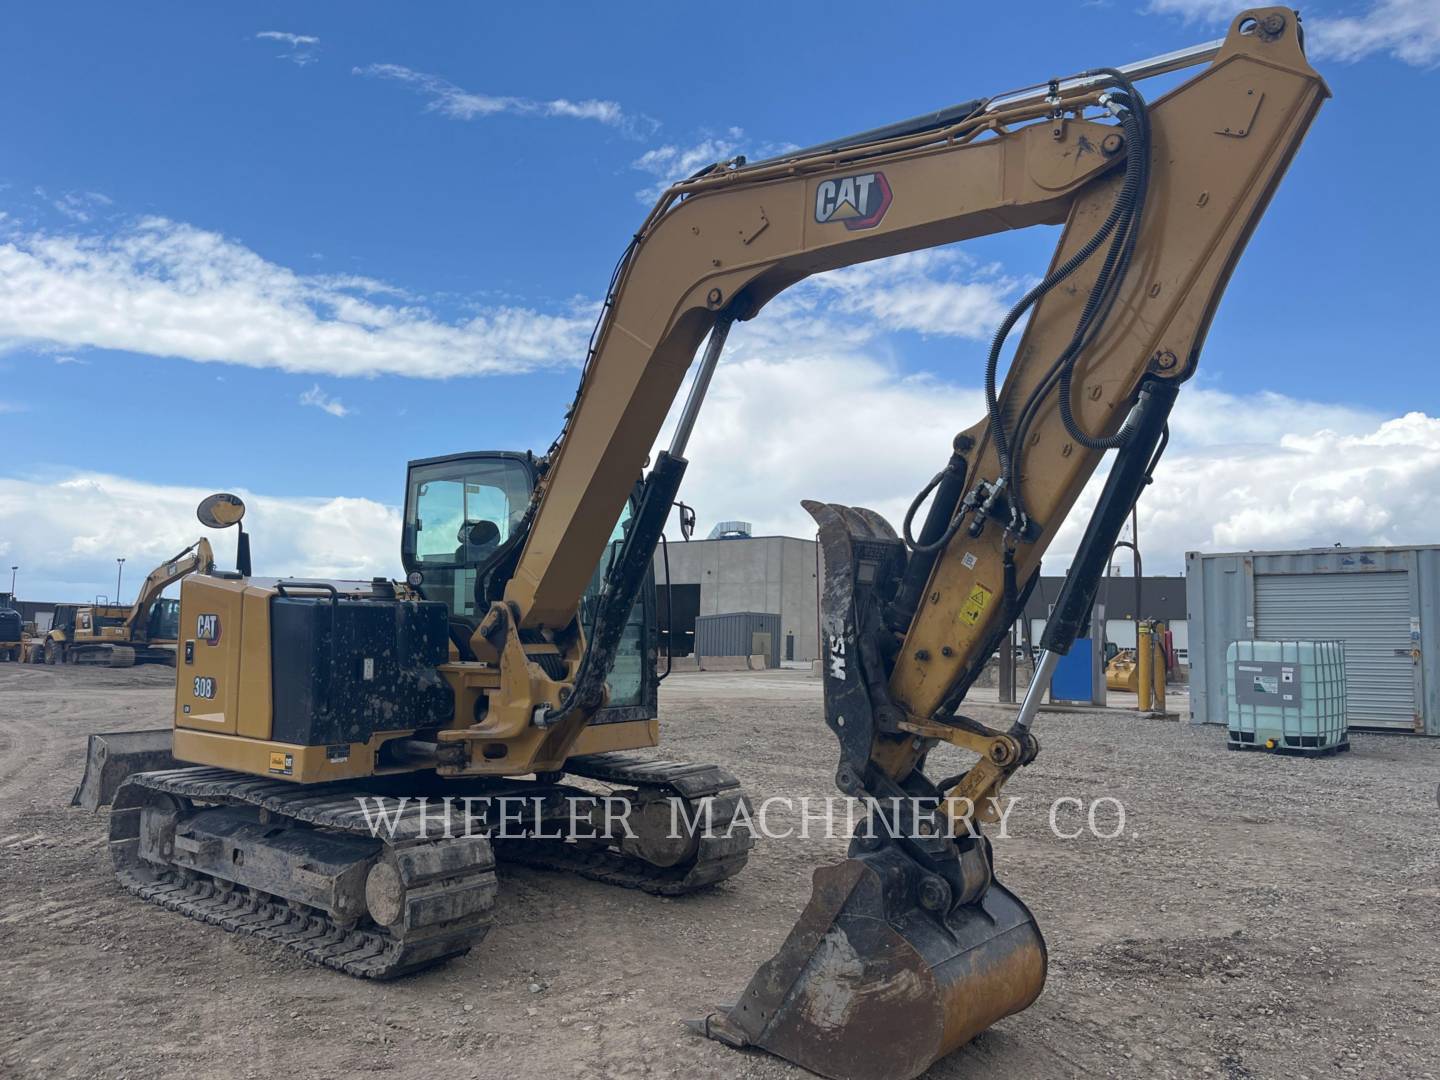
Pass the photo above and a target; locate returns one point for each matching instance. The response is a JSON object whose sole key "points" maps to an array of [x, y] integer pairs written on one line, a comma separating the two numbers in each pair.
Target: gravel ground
{"points": [[1259, 916]]}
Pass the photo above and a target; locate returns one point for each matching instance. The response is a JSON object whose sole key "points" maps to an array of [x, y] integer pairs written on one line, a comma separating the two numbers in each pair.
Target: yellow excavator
{"points": [[304, 709], [120, 635]]}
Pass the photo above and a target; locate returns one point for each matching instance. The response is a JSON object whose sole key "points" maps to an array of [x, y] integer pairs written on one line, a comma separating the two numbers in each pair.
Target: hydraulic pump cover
{"points": [[343, 669]]}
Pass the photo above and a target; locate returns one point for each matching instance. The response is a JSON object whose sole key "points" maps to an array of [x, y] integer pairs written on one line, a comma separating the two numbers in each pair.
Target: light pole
{"points": [[12, 583], [119, 569]]}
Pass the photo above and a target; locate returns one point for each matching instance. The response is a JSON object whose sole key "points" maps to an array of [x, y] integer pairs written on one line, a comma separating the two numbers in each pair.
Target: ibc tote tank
{"points": [[1286, 696]]}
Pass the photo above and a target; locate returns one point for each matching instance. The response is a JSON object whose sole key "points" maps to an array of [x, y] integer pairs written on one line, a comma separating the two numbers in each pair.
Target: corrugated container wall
{"points": [[1382, 603], [739, 633]]}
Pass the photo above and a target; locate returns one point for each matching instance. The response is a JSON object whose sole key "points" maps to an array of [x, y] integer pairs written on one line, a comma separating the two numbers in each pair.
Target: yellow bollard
{"points": [[1157, 639], [1145, 660]]}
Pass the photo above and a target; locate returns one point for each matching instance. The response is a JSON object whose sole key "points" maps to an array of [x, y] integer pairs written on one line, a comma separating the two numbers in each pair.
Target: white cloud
{"points": [[939, 291], [1307, 487], [1207, 11], [65, 533], [1208, 417], [942, 292], [78, 206], [673, 162], [289, 39], [450, 100], [300, 47], [1242, 471], [805, 405], [169, 289], [1406, 30], [318, 398], [838, 427], [70, 360]]}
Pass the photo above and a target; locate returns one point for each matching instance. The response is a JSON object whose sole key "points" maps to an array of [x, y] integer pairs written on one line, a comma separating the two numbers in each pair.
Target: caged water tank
{"points": [[1286, 696]]}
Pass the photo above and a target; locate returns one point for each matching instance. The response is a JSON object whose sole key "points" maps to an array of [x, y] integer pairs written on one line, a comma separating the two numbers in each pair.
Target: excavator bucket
{"points": [[869, 987], [113, 756]]}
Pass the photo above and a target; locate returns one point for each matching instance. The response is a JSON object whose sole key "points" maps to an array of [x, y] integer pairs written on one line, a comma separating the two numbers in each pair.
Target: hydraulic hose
{"points": [[1121, 229]]}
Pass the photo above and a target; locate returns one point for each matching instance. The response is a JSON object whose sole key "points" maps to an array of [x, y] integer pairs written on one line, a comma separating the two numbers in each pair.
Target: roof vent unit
{"points": [[731, 530]]}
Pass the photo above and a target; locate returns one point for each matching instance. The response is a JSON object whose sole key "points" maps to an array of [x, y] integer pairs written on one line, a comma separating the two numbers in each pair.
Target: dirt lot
{"points": [[1260, 917]]}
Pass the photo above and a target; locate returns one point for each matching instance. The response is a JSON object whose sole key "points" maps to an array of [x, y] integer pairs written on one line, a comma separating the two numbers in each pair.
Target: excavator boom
{"points": [[1155, 210], [197, 558], [912, 935]]}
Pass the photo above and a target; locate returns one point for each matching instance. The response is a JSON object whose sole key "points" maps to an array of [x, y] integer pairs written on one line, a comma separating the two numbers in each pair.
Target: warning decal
{"points": [[975, 605]]}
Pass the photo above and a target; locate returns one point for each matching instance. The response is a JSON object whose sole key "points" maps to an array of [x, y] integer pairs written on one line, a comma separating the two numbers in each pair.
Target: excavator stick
{"points": [[864, 959], [111, 757]]}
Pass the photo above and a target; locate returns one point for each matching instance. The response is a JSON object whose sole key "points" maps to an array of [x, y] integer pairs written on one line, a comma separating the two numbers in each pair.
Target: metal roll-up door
{"points": [[1370, 613]]}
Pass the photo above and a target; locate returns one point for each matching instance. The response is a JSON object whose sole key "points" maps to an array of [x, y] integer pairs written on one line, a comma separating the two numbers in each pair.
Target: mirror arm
{"points": [[242, 551]]}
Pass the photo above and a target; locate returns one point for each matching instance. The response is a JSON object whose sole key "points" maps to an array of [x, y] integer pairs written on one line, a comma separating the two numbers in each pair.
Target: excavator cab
{"points": [[164, 621], [460, 540]]}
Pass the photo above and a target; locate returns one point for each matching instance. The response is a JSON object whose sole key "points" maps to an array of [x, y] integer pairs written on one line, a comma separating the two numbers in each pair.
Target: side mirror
{"points": [[687, 520], [482, 533], [220, 511]]}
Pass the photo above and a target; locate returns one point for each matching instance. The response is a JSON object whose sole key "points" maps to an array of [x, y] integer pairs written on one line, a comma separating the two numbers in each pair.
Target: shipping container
{"points": [[1382, 603], [739, 633]]}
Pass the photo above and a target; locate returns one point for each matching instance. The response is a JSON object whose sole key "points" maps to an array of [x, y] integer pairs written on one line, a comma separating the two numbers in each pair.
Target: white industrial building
{"points": [[735, 572], [772, 574]]}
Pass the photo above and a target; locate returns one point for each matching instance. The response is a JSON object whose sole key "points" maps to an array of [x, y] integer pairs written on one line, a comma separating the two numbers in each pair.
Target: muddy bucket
{"points": [[114, 755], [871, 986]]}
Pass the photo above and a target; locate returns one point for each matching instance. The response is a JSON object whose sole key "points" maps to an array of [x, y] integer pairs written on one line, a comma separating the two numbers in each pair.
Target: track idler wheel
{"points": [[870, 985]]}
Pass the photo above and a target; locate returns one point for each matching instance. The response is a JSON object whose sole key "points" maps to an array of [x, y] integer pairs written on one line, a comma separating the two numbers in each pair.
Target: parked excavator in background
{"points": [[488, 672], [122, 635]]}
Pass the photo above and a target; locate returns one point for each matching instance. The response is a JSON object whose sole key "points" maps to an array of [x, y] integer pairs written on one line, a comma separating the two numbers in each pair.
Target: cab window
{"points": [[448, 502], [457, 515]]}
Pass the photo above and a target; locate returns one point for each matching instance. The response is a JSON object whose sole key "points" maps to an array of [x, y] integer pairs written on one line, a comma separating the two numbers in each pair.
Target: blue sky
{"points": [[282, 249]]}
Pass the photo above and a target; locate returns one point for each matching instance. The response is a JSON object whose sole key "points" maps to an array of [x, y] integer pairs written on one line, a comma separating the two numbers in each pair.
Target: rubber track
{"points": [[450, 883], [718, 857]]}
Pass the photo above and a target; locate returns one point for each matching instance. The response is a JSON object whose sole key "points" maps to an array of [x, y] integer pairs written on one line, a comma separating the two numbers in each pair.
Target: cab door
{"points": [[447, 558]]}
